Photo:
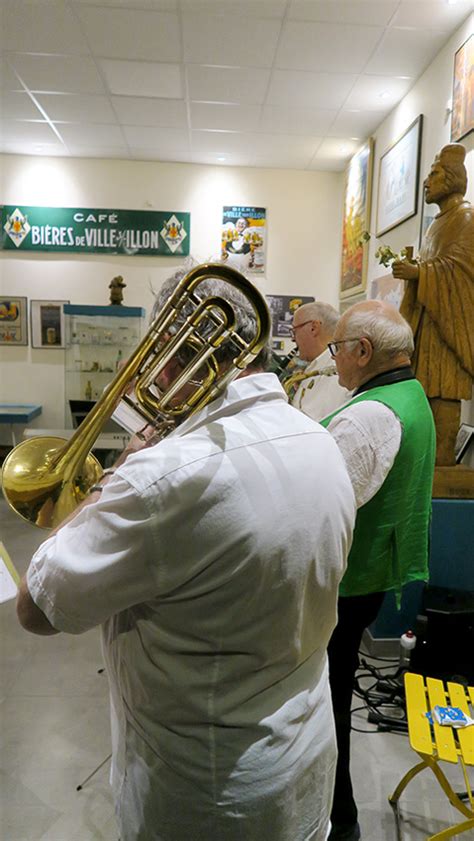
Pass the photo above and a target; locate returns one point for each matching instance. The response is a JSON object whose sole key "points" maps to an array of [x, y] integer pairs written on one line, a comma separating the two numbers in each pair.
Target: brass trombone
{"points": [[44, 479]]}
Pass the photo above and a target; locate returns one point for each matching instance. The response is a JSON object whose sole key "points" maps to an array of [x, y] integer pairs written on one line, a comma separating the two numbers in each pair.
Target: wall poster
{"points": [[47, 324], [243, 238], [462, 116], [13, 321], [397, 193], [282, 309], [358, 187]]}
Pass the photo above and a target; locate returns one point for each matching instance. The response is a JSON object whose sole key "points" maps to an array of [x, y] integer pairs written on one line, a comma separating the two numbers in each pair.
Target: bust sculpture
{"points": [[116, 285], [439, 298]]}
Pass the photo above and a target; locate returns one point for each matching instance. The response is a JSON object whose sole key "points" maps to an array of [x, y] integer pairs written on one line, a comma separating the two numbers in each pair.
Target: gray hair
{"points": [[325, 313], [389, 336], [244, 314]]}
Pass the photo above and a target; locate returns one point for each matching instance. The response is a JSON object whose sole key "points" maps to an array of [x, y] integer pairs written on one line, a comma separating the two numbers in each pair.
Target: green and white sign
{"points": [[92, 231]]}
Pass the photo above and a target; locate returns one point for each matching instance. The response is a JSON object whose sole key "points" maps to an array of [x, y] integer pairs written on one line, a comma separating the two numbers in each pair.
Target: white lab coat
{"points": [[213, 561]]}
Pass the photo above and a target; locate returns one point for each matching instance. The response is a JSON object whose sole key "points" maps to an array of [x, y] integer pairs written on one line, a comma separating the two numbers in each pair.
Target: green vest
{"points": [[390, 545]]}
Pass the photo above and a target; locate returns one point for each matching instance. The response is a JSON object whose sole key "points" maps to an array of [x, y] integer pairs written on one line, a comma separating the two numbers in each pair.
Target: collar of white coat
{"points": [[321, 363], [241, 393]]}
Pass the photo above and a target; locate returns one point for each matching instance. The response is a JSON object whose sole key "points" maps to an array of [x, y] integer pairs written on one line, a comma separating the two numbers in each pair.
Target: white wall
{"points": [[303, 247], [430, 96]]}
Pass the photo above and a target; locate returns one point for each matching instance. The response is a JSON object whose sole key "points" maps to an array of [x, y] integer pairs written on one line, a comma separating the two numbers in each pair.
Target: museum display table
{"points": [[18, 414]]}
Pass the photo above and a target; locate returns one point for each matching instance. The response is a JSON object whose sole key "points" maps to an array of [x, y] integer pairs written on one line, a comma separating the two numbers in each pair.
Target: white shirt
{"points": [[320, 393], [369, 435], [213, 560]]}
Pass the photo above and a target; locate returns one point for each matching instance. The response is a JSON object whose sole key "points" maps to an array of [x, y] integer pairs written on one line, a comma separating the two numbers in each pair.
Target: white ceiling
{"points": [[278, 83]]}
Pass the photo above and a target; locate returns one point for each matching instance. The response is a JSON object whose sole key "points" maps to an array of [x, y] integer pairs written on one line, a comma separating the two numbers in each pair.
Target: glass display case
{"points": [[98, 338]]}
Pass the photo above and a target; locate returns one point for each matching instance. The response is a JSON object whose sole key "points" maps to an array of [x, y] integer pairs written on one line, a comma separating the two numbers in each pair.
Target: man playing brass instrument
{"points": [[212, 562]]}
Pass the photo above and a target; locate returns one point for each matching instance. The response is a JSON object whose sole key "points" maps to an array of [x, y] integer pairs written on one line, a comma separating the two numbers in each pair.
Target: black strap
{"points": [[396, 375]]}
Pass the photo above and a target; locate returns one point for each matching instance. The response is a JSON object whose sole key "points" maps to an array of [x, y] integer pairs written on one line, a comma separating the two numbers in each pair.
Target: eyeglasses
{"points": [[333, 345], [297, 327]]}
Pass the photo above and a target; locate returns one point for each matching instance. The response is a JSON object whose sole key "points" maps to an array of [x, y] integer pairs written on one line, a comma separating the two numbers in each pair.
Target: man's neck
{"points": [[400, 361]]}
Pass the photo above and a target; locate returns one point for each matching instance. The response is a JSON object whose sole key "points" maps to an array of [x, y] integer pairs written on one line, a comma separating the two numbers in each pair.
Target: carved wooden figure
{"points": [[439, 298]]}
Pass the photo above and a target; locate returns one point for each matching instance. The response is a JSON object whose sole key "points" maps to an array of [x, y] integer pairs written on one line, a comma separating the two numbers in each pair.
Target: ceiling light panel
{"points": [[132, 34], [139, 78], [229, 40], [325, 47]]}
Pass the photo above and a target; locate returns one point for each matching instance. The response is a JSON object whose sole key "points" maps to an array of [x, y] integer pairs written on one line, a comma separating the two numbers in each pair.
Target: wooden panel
{"points": [[464, 734], [418, 724], [444, 738]]}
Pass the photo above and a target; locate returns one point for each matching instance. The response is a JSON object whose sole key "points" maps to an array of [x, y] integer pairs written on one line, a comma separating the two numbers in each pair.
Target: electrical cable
{"points": [[383, 699]]}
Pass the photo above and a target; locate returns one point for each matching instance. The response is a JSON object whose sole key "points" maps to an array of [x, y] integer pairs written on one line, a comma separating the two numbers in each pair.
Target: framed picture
{"points": [[428, 213], [462, 115], [47, 324], [397, 194], [282, 309], [13, 321], [357, 198], [348, 302], [464, 440], [387, 288]]}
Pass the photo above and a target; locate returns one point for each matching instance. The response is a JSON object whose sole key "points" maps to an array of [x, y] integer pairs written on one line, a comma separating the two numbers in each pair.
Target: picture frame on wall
{"points": [[47, 324], [464, 440], [349, 302], [462, 115], [13, 321], [398, 179], [428, 213], [356, 220]]}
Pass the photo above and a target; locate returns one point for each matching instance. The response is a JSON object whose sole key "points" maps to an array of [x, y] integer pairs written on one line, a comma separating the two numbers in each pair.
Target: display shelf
{"points": [[98, 340]]}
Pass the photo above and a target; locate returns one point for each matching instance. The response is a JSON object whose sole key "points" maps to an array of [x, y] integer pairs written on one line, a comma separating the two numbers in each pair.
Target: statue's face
{"points": [[435, 184]]}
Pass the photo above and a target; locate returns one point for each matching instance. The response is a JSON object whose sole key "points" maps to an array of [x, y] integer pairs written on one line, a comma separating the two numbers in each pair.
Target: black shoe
{"points": [[345, 833]]}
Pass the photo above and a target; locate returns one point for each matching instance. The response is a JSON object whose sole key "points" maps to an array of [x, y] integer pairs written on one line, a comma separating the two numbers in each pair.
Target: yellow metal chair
{"points": [[439, 743]]}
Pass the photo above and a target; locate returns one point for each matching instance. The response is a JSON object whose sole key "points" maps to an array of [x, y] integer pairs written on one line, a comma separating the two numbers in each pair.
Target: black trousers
{"points": [[355, 613]]}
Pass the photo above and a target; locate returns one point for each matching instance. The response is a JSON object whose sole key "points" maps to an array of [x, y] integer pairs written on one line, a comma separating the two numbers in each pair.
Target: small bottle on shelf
{"points": [[118, 360], [88, 391]]}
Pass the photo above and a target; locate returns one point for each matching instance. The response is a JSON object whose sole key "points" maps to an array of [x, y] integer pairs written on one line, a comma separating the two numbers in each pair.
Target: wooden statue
{"points": [[439, 298], [116, 295]]}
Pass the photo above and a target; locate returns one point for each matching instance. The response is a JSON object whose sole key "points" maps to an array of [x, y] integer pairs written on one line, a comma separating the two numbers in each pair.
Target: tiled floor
{"points": [[55, 731]]}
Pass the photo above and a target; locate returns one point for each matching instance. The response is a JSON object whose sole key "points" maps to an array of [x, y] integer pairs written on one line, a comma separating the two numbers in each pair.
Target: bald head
{"points": [[372, 338], [381, 323]]}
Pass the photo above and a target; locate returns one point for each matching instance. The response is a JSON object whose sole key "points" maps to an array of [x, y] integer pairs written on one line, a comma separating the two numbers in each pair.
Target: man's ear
{"points": [[366, 351]]}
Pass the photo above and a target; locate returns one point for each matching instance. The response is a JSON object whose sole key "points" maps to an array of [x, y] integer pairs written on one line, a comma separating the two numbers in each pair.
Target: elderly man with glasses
{"points": [[387, 437], [315, 390]]}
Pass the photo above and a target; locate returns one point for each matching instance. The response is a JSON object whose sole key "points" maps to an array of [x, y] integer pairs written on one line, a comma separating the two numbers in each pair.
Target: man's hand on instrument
{"points": [[404, 270]]}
